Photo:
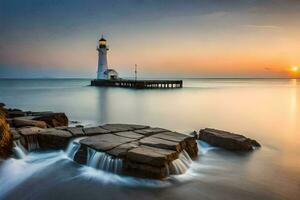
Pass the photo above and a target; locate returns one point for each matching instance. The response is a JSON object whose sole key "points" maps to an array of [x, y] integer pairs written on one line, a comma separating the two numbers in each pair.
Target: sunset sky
{"points": [[166, 38]]}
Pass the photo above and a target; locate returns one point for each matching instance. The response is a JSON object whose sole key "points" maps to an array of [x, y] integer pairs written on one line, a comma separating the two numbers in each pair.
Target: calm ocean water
{"points": [[267, 110]]}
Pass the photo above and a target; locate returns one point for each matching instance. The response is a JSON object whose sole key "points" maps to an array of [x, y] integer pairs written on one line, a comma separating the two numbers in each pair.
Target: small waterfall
{"points": [[73, 147], [18, 150], [180, 165], [32, 142], [103, 161]]}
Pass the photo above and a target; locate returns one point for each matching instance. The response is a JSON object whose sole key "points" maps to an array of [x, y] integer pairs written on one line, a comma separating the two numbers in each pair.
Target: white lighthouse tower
{"points": [[102, 59]]}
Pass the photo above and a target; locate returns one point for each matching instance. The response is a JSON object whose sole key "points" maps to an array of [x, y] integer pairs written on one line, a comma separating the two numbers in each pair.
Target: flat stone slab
{"points": [[151, 155], [227, 140], [172, 136], [160, 143], [105, 142], [27, 121], [76, 131], [123, 127], [54, 139], [29, 130], [121, 151], [129, 134], [150, 131], [95, 131], [55, 132]]}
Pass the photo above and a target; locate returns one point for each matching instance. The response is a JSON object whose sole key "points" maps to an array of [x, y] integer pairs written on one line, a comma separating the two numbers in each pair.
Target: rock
{"points": [[15, 113], [2, 105], [150, 131], [25, 131], [95, 131], [149, 162], [123, 127], [147, 152], [53, 139], [29, 137], [104, 142], [76, 131], [54, 119], [6, 138], [186, 142], [151, 156], [24, 121], [121, 150], [227, 140], [161, 143], [37, 114], [15, 134], [129, 134]]}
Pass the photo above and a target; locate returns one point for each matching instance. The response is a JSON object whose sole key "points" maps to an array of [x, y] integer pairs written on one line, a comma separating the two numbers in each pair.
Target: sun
{"points": [[295, 69]]}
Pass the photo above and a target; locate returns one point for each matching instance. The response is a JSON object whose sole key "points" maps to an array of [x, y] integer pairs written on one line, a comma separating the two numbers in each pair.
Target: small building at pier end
{"points": [[103, 72]]}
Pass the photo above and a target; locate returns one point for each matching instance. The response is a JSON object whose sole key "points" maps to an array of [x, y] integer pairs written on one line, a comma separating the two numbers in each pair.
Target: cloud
{"points": [[263, 27]]}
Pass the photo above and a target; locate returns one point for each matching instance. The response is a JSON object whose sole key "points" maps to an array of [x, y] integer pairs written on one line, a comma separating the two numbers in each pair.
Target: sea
{"points": [[267, 110]]}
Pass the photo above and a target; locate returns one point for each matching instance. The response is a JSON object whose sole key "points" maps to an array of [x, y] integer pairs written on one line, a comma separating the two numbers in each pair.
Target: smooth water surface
{"points": [[267, 110]]}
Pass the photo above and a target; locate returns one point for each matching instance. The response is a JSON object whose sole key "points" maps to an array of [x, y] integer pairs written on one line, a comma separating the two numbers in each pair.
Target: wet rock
{"points": [[147, 152], [29, 130], [129, 134], [54, 119], [2, 105], [37, 114], [5, 136], [104, 142], [29, 137], [227, 140], [151, 155], [186, 142], [12, 113], [150, 131], [27, 121], [123, 127], [95, 131], [15, 134], [161, 143], [76, 131], [53, 139], [121, 150]]}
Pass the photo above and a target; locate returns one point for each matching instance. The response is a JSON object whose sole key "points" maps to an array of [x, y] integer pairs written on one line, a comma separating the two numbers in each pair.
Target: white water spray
{"points": [[180, 165], [73, 147], [103, 161], [32, 142], [18, 150]]}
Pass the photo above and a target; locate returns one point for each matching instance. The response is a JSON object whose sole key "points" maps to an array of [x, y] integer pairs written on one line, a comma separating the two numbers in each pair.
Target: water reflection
{"points": [[267, 110]]}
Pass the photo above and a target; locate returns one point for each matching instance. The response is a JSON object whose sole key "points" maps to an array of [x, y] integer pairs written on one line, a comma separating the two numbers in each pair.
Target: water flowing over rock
{"points": [[144, 151], [73, 147], [227, 140], [180, 165], [103, 161], [18, 150]]}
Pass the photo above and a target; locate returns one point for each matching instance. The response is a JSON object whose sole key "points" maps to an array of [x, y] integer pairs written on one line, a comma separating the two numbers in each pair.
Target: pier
{"points": [[139, 84]]}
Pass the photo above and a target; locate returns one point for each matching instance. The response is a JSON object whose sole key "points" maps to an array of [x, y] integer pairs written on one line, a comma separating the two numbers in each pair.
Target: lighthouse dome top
{"points": [[102, 39]]}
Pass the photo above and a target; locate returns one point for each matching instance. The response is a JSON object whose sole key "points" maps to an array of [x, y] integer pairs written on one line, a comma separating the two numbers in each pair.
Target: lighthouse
{"points": [[102, 59]]}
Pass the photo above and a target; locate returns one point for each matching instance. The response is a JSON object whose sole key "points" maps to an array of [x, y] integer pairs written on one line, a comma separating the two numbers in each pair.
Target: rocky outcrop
{"points": [[54, 139], [53, 119], [227, 140], [5, 135], [28, 121], [145, 151]]}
